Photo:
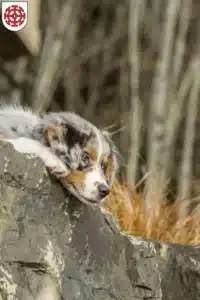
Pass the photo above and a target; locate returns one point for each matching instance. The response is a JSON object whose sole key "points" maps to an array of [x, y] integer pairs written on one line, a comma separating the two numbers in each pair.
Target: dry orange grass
{"points": [[159, 223]]}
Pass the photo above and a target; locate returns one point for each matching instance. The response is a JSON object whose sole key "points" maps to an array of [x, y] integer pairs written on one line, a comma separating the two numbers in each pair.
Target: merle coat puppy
{"points": [[83, 157]]}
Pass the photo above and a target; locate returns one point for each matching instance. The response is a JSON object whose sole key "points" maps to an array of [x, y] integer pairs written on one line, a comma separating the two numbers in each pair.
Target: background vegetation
{"points": [[133, 67]]}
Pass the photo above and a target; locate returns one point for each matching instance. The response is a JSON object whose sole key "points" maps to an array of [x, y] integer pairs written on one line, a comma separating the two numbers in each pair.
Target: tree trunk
{"points": [[136, 110], [159, 106]]}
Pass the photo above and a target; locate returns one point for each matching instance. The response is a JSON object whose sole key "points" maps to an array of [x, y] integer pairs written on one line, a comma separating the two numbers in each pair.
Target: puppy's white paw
{"points": [[59, 171], [54, 164], [25, 145], [51, 161]]}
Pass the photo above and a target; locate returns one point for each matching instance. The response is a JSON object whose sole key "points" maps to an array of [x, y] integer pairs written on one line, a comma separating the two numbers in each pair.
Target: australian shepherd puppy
{"points": [[83, 157]]}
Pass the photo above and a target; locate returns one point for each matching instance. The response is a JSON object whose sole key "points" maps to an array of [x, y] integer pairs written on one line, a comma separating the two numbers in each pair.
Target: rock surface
{"points": [[56, 248]]}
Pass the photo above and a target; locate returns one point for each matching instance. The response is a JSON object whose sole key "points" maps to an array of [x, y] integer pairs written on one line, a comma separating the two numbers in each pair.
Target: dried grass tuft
{"points": [[160, 222]]}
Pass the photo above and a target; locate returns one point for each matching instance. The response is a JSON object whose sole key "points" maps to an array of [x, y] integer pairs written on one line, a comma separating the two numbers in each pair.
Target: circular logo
{"points": [[14, 16]]}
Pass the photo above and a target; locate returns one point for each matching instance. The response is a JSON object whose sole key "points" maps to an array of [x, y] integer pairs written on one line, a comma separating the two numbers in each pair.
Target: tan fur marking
{"points": [[53, 133], [92, 153], [3, 137], [76, 178]]}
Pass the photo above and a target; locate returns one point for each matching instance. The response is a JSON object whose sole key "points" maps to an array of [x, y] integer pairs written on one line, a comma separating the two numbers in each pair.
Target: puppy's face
{"points": [[90, 157]]}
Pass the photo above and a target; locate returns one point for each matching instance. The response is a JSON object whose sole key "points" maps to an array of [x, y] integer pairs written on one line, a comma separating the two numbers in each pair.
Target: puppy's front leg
{"points": [[51, 161]]}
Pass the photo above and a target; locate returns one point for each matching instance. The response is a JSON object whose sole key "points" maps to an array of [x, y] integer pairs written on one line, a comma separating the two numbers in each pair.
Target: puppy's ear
{"points": [[74, 136], [64, 133], [54, 134]]}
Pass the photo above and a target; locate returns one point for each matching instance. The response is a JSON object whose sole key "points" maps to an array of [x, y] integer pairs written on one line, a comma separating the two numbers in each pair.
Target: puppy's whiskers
{"points": [[118, 130]]}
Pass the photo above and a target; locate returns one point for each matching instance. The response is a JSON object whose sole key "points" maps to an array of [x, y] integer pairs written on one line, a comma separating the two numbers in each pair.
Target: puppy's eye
{"points": [[104, 166], [62, 153], [85, 158]]}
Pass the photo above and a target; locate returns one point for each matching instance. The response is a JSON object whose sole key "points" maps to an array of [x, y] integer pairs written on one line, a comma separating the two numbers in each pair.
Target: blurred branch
{"points": [[94, 71], [135, 112], [186, 169], [92, 50], [47, 75], [53, 11], [5, 71], [185, 176], [105, 61], [19, 74], [71, 72], [159, 106], [152, 21], [177, 99], [176, 114], [180, 43], [124, 103]]}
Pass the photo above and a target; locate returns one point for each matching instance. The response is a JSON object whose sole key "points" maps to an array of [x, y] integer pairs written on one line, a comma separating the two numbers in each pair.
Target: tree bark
{"points": [[136, 110], [185, 176], [51, 56], [159, 105]]}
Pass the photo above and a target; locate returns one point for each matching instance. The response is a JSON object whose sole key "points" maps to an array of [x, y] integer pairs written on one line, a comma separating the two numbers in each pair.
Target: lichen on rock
{"points": [[53, 247]]}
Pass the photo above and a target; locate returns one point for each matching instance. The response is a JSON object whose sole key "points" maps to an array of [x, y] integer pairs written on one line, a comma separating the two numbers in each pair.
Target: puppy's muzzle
{"points": [[103, 190]]}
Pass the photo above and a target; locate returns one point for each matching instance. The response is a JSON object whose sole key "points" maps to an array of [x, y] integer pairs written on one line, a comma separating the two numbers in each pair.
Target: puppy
{"points": [[83, 157]]}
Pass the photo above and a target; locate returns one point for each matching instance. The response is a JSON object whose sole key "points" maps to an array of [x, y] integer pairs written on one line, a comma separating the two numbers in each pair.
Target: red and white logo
{"points": [[14, 14]]}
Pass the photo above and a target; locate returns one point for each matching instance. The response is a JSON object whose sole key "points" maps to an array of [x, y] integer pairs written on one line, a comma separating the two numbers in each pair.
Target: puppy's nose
{"points": [[103, 190]]}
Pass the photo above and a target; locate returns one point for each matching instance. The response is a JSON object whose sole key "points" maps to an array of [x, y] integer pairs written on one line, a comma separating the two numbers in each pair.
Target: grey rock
{"points": [[52, 247]]}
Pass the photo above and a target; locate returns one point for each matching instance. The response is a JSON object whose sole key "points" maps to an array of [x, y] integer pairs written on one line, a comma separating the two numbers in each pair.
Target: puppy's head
{"points": [[88, 153]]}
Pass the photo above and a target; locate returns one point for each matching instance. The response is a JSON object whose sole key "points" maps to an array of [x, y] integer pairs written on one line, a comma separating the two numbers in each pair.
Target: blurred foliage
{"points": [[131, 66]]}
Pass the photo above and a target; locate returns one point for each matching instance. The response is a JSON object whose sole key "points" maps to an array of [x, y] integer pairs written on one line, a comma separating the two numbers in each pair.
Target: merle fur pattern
{"points": [[17, 121]]}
